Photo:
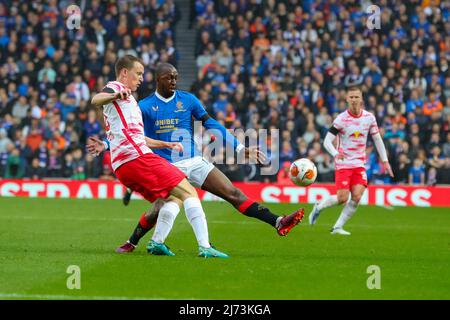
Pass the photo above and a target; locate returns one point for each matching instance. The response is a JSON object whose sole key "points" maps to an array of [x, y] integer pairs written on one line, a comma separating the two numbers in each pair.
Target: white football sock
{"points": [[164, 224], [197, 219], [277, 223], [347, 213], [328, 202]]}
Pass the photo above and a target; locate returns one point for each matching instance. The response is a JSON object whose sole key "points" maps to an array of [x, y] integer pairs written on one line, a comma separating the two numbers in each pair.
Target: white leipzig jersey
{"points": [[124, 128], [352, 137]]}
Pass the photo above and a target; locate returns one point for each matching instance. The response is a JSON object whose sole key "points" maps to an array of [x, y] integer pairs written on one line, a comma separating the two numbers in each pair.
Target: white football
{"points": [[303, 172]]}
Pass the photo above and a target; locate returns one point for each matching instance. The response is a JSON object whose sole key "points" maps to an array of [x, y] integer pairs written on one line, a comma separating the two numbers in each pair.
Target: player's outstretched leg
{"points": [[166, 217], [288, 222], [145, 224], [196, 217], [127, 196], [217, 183], [318, 207]]}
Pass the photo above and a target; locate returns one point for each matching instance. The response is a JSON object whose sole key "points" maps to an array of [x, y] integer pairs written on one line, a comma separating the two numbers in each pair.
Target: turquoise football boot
{"points": [[159, 249], [211, 252]]}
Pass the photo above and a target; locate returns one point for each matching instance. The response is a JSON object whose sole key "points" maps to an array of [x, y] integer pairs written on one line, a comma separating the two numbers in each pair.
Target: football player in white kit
{"points": [[351, 128], [141, 169]]}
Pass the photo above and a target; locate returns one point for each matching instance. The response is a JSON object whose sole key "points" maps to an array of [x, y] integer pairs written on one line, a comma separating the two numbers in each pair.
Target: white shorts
{"points": [[196, 169]]}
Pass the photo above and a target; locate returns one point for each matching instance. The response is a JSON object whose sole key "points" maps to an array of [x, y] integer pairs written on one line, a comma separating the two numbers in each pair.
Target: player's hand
{"points": [[388, 168], [123, 94], [339, 156], [253, 153], [175, 146], [95, 146]]}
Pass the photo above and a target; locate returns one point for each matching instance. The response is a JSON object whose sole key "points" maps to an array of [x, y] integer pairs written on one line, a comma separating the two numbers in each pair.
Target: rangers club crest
{"points": [[180, 107]]}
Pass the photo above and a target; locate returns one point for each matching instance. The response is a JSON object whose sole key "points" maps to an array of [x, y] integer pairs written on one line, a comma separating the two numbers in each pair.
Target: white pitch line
{"points": [[390, 208], [69, 297], [104, 219]]}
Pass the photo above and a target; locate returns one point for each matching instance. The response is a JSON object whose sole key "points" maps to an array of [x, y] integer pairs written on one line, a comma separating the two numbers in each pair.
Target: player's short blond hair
{"points": [[354, 88], [126, 62]]}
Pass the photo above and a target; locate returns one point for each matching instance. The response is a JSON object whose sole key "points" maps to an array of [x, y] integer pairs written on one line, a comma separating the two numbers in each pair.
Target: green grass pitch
{"points": [[40, 238]]}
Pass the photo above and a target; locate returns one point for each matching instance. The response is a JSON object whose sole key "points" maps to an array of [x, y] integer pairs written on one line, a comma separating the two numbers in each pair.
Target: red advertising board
{"points": [[383, 195]]}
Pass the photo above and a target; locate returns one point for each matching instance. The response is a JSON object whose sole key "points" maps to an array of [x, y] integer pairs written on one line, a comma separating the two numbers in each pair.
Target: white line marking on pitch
{"points": [[387, 207], [105, 219], [63, 297]]}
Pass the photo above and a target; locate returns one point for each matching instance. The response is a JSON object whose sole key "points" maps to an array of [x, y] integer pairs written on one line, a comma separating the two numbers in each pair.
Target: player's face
{"points": [[135, 76], [355, 101], [167, 82]]}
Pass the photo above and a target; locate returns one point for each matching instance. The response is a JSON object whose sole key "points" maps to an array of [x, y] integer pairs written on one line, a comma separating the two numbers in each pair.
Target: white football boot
{"points": [[314, 214], [340, 231]]}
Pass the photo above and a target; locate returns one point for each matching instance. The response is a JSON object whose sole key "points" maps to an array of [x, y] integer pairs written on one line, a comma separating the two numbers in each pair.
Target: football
{"points": [[303, 172]]}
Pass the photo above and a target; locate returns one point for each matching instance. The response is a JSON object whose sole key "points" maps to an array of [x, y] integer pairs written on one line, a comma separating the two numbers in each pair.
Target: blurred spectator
{"points": [[417, 172], [401, 171], [15, 168], [283, 175], [48, 74], [35, 171], [4, 141]]}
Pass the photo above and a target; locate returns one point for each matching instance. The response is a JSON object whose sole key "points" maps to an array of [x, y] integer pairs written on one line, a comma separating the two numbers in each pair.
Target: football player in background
{"points": [[351, 128]]}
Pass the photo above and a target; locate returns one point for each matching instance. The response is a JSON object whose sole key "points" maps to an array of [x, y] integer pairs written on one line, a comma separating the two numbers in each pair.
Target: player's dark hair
{"points": [[126, 62], [163, 67]]}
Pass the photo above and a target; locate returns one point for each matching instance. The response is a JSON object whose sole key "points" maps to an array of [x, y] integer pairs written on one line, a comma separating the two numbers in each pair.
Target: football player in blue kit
{"points": [[167, 115]]}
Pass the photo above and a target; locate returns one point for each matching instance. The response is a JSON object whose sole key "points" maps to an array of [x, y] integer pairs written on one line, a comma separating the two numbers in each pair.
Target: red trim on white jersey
{"points": [[126, 130], [119, 111], [352, 137], [353, 115]]}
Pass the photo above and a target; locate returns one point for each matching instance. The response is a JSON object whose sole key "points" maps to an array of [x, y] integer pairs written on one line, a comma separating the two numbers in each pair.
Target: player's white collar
{"points": [[160, 97]]}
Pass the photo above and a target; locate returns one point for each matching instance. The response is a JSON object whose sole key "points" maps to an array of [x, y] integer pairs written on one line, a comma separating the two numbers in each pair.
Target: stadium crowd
{"points": [[261, 65], [286, 64]]}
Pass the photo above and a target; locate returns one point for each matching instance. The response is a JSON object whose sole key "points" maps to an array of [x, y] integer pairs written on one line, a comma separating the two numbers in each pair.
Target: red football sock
{"points": [[244, 206], [144, 223]]}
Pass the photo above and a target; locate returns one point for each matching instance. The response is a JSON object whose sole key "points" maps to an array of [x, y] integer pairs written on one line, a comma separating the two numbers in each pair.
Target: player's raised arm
{"points": [[108, 95]]}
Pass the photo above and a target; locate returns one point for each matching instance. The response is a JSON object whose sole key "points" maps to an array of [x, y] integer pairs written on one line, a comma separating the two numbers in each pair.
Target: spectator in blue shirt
{"points": [[92, 126], [417, 172]]}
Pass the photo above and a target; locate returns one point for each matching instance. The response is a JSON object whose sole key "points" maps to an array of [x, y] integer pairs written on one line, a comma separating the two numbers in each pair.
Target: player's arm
{"points": [[159, 144], [96, 146], [107, 95], [250, 153], [379, 144], [199, 113], [328, 143]]}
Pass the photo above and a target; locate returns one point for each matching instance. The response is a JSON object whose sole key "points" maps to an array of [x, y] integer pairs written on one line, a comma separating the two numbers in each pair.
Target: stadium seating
{"points": [[261, 64]]}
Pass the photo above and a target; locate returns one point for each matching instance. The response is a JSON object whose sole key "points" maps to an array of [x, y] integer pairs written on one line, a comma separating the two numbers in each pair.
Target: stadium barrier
{"points": [[382, 195]]}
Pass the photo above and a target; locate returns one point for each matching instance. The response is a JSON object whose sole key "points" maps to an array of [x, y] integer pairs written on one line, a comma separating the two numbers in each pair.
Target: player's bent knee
{"points": [[342, 198]]}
